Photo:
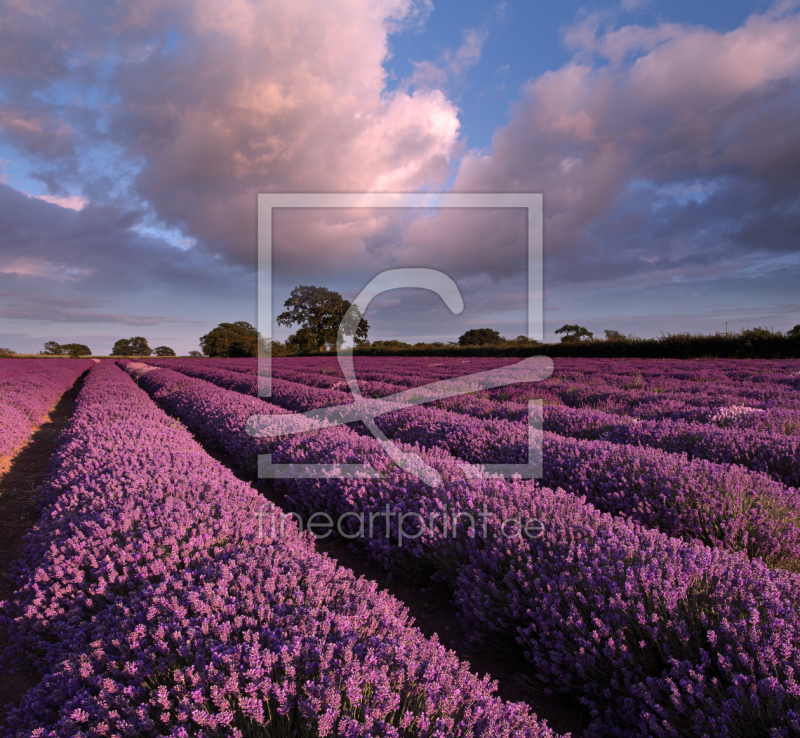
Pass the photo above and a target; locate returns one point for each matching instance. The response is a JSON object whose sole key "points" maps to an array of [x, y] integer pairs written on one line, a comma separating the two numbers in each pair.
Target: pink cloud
{"points": [[73, 202], [270, 96], [279, 96]]}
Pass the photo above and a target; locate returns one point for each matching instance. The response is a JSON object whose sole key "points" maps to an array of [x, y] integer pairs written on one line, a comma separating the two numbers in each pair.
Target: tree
{"points": [[795, 332], [613, 336], [277, 348], [140, 347], [6, 353], [574, 333], [391, 345], [163, 351], [758, 334], [195, 354], [51, 348], [136, 346], [75, 349], [301, 342], [319, 312], [480, 337], [231, 340], [122, 348]]}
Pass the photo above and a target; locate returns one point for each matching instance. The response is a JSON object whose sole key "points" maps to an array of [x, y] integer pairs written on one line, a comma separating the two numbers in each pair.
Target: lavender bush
{"points": [[657, 635], [28, 389], [154, 606]]}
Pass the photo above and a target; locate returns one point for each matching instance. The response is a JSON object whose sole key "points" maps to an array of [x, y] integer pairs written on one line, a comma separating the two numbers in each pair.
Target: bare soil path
{"points": [[20, 477], [435, 615]]}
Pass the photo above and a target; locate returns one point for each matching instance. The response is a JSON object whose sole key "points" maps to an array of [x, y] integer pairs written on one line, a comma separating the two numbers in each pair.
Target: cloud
{"points": [[83, 309], [193, 107], [663, 152], [34, 311], [98, 250], [73, 202], [451, 65]]}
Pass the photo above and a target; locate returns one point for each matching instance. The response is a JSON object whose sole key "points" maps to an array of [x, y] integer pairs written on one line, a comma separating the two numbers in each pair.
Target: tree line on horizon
{"points": [[319, 314]]}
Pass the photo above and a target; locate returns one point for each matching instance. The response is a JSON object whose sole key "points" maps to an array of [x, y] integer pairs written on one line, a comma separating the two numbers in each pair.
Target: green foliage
{"points": [[136, 346], [51, 348], [6, 353], [757, 344], [75, 349], [122, 348], [481, 337], [574, 333], [302, 342], [758, 334], [277, 348], [319, 312], [195, 354], [231, 340], [614, 336], [140, 347], [390, 344], [794, 332], [163, 351]]}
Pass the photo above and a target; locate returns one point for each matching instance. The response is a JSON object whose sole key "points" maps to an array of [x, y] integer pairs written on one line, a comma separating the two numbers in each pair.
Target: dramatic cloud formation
{"points": [[173, 115], [664, 153], [210, 102], [134, 139]]}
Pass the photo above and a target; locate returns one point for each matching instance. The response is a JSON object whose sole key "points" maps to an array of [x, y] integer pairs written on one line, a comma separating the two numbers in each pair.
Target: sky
{"points": [[135, 138]]}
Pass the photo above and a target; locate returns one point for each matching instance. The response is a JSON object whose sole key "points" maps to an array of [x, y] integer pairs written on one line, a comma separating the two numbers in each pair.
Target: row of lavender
{"points": [[28, 390], [715, 503], [659, 636], [679, 394], [767, 441], [627, 374], [764, 406], [154, 603], [680, 495]]}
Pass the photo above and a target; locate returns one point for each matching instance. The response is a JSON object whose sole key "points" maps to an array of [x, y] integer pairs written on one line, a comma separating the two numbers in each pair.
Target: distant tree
{"points": [[51, 348], [613, 336], [136, 346], [302, 342], [163, 351], [277, 348], [795, 332], [122, 348], [75, 349], [760, 333], [574, 333], [140, 347], [319, 312], [480, 337], [231, 340], [195, 354], [6, 353], [391, 344]]}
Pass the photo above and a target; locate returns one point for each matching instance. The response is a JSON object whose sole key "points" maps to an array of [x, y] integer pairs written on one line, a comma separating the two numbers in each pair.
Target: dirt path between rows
{"points": [[434, 614], [20, 476]]}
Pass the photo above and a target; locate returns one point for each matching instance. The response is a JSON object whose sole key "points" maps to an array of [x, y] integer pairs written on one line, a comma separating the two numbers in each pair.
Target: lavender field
{"points": [[651, 576]]}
